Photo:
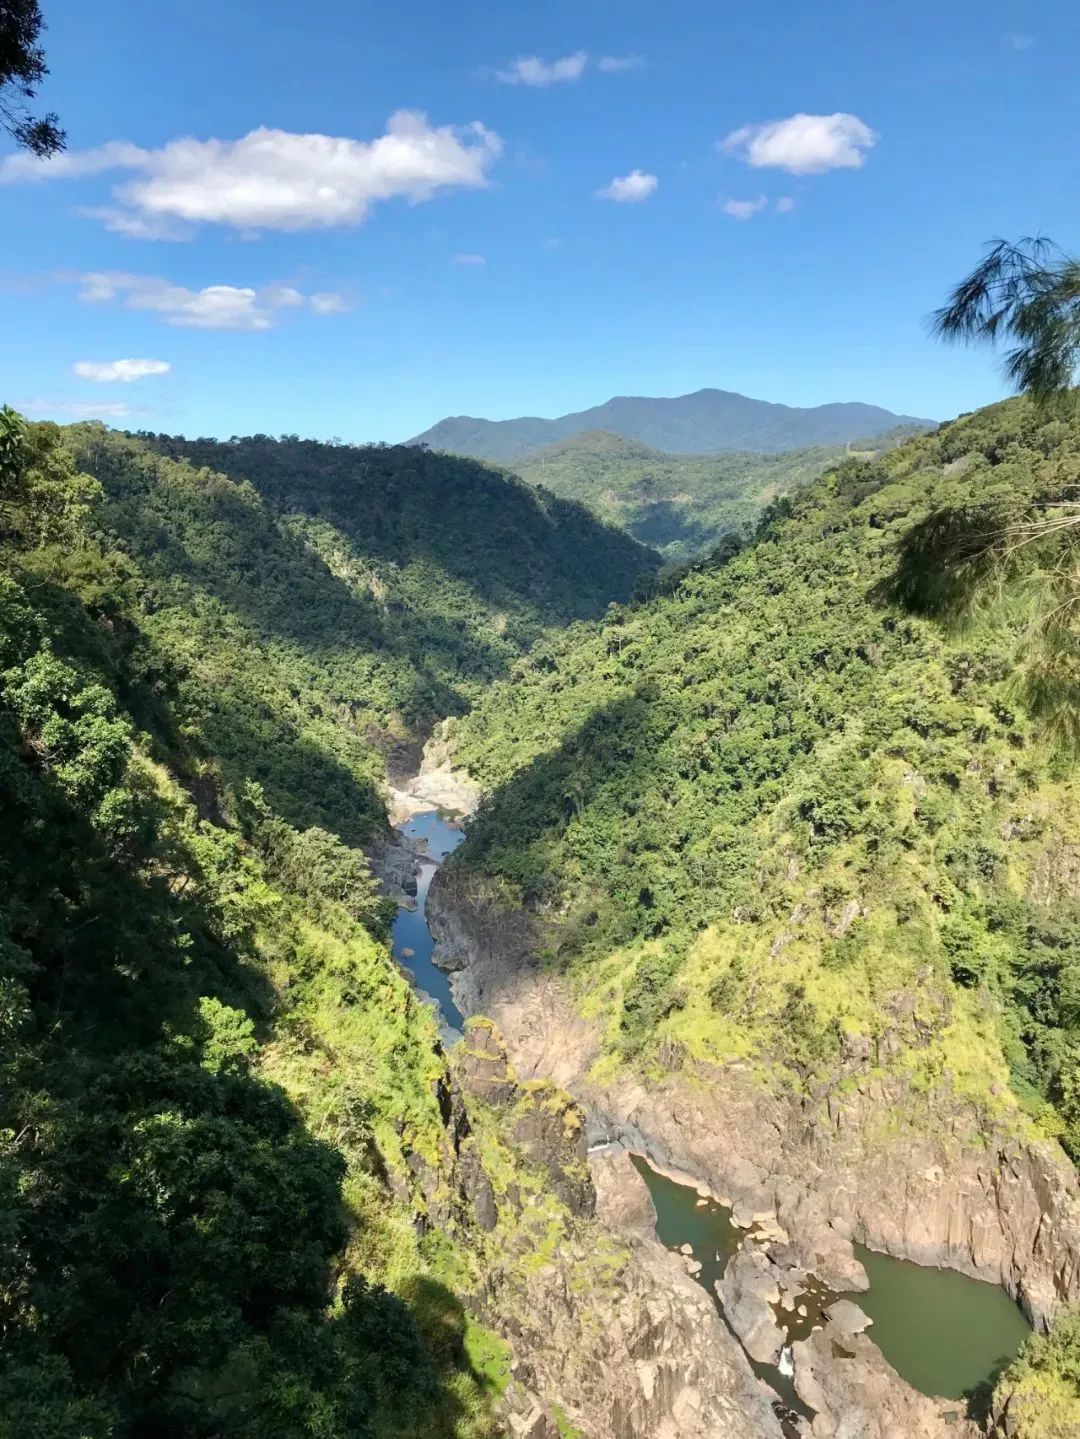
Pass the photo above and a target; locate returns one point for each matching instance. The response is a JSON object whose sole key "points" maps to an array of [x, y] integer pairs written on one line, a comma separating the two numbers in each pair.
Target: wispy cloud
{"points": [[1019, 42], [476, 261], [531, 70], [744, 209], [272, 179], [63, 408], [618, 64], [215, 307], [534, 71], [785, 205], [803, 144], [111, 372], [629, 189]]}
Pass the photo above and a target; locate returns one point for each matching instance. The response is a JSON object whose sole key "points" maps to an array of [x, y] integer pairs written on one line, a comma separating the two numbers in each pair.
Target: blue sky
{"points": [[555, 232]]}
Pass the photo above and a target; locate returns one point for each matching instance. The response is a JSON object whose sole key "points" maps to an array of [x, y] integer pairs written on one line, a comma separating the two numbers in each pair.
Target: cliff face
{"points": [[916, 1175], [614, 1336]]}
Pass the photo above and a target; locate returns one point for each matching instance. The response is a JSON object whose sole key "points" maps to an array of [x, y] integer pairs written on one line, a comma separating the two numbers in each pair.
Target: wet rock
{"points": [[393, 863], [855, 1394], [848, 1316], [748, 1291]]}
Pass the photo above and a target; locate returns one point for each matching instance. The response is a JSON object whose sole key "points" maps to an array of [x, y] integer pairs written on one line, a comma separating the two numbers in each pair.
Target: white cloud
{"points": [[136, 227], [629, 189], [617, 64], [803, 144], [325, 302], [466, 259], [80, 409], [109, 372], [785, 205], [744, 209], [1020, 42], [215, 307], [273, 179], [531, 70]]}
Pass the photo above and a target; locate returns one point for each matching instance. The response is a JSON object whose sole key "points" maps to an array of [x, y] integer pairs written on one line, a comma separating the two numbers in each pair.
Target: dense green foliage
{"points": [[210, 1069], [767, 808], [1040, 1390], [318, 605], [681, 505], [703, 422]]}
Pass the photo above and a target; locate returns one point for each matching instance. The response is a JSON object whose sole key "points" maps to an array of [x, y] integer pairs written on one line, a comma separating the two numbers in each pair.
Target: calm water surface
{"points": [[410, 930], [944, 1333]]}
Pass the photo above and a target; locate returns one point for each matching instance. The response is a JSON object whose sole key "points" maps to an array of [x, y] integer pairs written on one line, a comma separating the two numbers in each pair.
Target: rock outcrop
{"points": [[841, 1374], [863, 1159], [616, 1333]]}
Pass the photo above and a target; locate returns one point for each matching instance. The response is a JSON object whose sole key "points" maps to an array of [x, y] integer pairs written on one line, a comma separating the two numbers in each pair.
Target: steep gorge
{"points": [[762, 872], [767, 872]]}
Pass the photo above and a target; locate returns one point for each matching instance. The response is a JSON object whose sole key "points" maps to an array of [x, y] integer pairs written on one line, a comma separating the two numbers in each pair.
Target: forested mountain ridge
{"points": [[702, 422], [806, 826], [316, 626], [241, 1189], [681, 504], [775, 752]]}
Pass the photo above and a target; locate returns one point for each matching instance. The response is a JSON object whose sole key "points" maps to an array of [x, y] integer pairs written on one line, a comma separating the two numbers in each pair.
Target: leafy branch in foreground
{"points": [[1028, 292], [22, 68]]}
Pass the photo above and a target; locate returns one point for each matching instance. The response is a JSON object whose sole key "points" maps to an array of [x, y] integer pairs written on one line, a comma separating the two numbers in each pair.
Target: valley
{"points": [[567, 925], [763, 881]]}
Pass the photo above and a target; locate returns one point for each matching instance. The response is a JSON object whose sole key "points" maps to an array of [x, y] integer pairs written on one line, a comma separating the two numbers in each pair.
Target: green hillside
{"points": [[680, 504], [232, 1188], [775, 755], [321, 604]]}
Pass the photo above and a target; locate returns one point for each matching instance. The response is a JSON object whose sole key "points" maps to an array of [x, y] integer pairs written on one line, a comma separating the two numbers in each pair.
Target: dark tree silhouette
{"points": [[22, 68], [1027, 293]]}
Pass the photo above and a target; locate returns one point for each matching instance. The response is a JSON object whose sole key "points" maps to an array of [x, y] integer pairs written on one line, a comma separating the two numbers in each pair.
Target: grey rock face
{"points": [[836, 1166], [748, 1290], [856, 1395]]}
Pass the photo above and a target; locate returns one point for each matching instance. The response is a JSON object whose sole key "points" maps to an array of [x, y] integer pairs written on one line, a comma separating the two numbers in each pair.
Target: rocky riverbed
{"points": [[819, 1173]]}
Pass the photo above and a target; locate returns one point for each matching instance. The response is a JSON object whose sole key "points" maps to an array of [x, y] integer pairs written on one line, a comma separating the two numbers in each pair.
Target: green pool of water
{"points": [[944, 1333], [941, 1331]]}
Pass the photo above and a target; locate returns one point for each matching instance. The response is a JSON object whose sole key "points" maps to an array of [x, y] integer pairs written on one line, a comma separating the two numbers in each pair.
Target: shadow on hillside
{"points": [[661, 523], [941, 562], [485, 528], [177, 1230], [610, 764], [226, 544]]}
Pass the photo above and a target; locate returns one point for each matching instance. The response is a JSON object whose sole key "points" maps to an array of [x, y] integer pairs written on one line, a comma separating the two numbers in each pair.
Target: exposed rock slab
{"points": [[855, 1394], [856, 1161], [748, 1290]]}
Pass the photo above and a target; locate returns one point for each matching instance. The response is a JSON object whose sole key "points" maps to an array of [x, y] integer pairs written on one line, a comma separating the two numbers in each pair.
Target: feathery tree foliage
{"points": [[1026, 296], [1028, 292], [22, 68]]}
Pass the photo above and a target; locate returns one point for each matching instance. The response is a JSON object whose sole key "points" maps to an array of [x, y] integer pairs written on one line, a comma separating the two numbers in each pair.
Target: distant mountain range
{"points": [[706, 422], [682, 504]]}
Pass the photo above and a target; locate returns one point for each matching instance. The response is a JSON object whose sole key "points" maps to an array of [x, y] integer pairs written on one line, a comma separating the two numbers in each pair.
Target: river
{"points": [[436, 835], [944, 1333]]}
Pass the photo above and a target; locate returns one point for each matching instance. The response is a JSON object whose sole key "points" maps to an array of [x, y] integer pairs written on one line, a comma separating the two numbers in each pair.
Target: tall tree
{"points": [[1027, 293], [22, 68]]}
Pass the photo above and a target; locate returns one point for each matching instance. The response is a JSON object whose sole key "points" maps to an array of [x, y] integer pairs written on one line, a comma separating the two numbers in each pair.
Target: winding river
{"points": [[944, 1333], [434, 835]]}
